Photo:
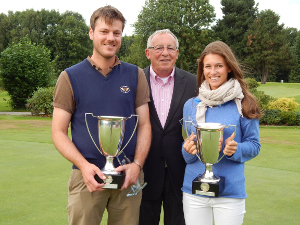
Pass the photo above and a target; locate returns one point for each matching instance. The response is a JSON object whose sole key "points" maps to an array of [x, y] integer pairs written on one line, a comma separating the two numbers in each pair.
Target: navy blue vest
{"points": [[113, 95]]}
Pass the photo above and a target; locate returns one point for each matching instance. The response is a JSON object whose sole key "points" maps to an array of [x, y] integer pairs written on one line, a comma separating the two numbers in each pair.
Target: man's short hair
{"points": [[109, 14], [164, 31]]}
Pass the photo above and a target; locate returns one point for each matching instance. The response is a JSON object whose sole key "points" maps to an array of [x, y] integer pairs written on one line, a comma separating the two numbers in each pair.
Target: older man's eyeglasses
{"points": [[160, 48]]}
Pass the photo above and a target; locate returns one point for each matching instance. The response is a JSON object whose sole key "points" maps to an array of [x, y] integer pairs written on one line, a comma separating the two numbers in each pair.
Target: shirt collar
{"points": [[155, 77], [117, 62]]}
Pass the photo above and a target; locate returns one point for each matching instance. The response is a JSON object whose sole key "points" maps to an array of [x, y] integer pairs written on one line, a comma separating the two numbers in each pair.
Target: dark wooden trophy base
{"points": [[211, 189], [112, 181]]}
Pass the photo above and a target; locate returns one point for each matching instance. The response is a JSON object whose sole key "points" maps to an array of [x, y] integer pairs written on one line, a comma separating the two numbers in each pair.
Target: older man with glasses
{"points": [[164, 168]]}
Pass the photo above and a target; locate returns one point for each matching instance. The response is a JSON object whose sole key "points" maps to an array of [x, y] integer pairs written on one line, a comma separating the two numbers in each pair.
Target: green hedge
{"points": [[278, 117], [43, 97], [40, 102]]}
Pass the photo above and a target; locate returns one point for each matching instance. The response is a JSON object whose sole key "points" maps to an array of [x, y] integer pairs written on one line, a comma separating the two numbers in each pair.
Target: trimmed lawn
{"points": [[272, 178], [278, 90], [33, 185]]}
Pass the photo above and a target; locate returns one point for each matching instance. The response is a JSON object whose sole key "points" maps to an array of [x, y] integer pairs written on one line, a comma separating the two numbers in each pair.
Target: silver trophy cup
{"points": [[111, 130], [208, 136]]}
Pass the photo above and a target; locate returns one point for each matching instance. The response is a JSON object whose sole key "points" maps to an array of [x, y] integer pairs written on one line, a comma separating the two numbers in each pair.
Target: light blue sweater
{"points": [[232, 168]]}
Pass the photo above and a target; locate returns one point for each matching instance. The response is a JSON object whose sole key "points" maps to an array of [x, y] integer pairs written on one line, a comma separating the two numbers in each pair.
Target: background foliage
{"points": [[295, 73], [24, 67], [231, 29], [284, 104], [40, 102], [65, 35], [188, 20], [266, 47], [268, 50]]}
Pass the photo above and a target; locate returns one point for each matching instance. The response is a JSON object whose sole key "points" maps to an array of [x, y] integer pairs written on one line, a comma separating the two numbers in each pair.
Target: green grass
{"points": [[33, 184], [272, 178], [278, 90]]}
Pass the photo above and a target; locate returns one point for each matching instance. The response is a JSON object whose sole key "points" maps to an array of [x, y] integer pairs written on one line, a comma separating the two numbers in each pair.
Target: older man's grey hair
{"points": [[164, 31]]}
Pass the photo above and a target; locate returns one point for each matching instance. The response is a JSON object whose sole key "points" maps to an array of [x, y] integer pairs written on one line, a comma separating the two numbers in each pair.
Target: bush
{"points": [[23, 68], [40, 102], [262, 98], [252, 83], [1, 85], [290, 118], [278, 117], [297, 118], [284, 104], [271, 117]]}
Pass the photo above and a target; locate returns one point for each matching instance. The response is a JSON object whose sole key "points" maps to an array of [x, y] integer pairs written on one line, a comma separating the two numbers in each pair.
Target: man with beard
{"points": [[103, 85]]}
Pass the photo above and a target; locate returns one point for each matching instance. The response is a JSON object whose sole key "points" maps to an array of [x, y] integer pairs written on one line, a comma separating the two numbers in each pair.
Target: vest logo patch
{"points": [[124, 89]]}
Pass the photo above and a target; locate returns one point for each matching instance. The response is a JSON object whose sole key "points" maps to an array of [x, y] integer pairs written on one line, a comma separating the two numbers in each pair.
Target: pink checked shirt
{"points": [[162, 91]]}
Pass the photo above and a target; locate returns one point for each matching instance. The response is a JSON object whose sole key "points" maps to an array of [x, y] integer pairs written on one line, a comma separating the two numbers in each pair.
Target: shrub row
{"points": [[275, 111], [278, 117]]}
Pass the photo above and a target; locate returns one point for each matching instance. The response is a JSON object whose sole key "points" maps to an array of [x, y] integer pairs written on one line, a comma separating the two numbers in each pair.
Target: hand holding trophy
{"points": [[208, 138], [111, 130]]}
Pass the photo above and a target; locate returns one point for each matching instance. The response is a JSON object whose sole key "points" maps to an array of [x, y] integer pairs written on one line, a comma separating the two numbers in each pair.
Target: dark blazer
{"points": [[167, 142]]}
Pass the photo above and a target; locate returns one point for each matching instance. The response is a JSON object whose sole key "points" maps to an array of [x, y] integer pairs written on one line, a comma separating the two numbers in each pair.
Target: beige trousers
{"points": [[85, 208]]}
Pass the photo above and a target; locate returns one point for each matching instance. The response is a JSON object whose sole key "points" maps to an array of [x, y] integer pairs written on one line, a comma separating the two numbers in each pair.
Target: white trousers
{"points": [[202, 211]]}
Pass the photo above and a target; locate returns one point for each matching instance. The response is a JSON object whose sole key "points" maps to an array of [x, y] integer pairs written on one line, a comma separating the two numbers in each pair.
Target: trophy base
{"points": [[112, 181], [211, 189]]}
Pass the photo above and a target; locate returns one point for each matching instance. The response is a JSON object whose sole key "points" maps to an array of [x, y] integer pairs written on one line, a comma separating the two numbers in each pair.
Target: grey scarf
{"points": [[230, 90]]}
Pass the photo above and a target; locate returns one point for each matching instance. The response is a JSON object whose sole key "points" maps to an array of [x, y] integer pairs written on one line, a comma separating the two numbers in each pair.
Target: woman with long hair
{"points": [[222, 98]]}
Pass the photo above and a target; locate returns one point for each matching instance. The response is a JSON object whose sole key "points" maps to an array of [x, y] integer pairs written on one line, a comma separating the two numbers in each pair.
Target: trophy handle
{"points": [[234, 129], [185, 133], [90, 132], [233, 138], [183, 122], [137, 120]]}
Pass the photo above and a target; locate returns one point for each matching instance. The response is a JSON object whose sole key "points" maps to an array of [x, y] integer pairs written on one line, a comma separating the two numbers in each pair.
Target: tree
{"points": [[70, 42], [295, 73], [126, 43], [291, 35], [283, 73], [65, 35], [33, 24], [24, 67], [231, 29], [266, 46], [188, 20], [136, 54], [5, 24]]}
